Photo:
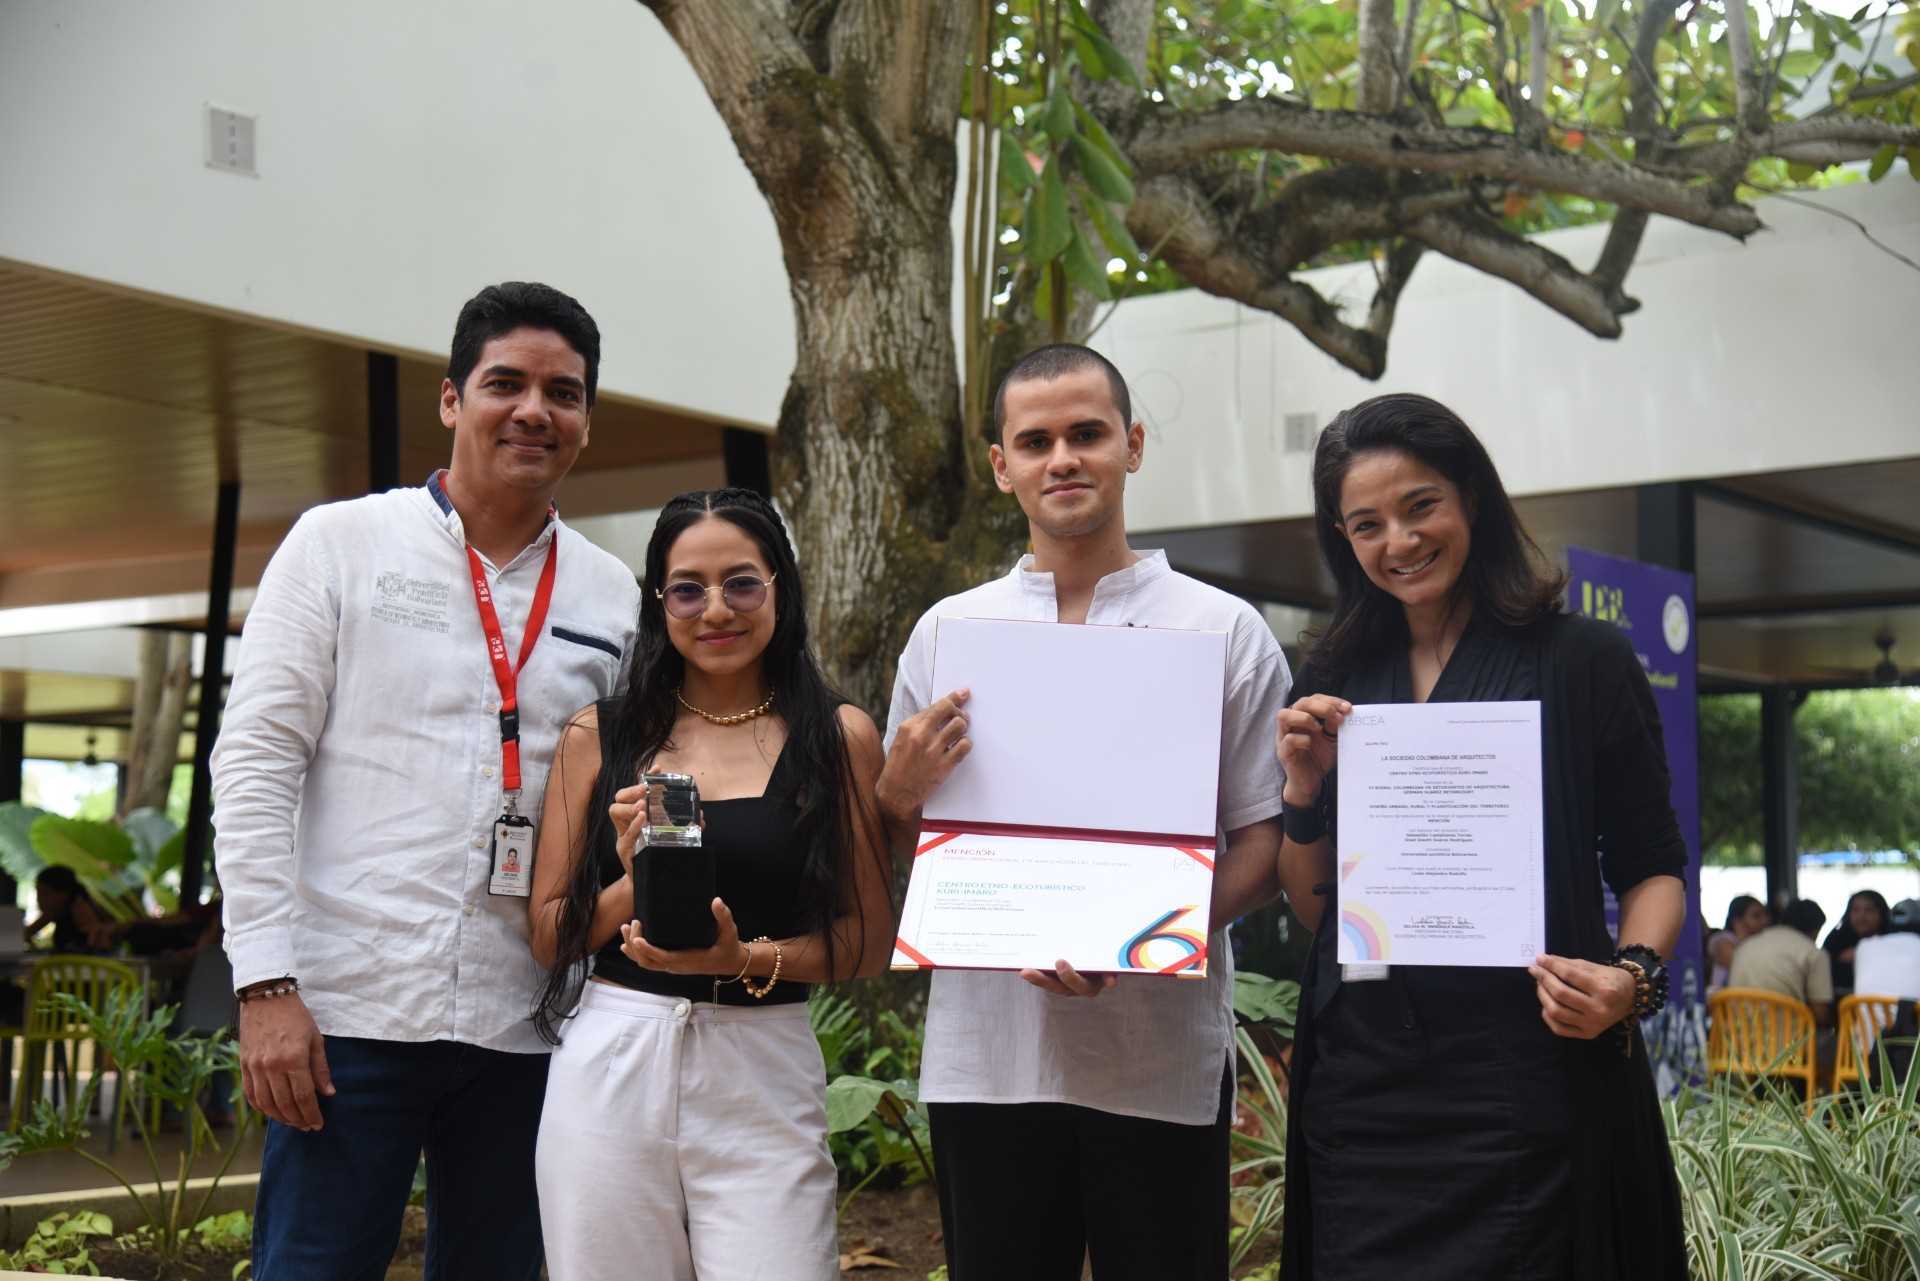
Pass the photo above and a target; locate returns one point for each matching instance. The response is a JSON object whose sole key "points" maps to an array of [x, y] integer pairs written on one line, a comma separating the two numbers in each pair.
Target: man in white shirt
{"points": [[1075, 1115], [406, 669]]}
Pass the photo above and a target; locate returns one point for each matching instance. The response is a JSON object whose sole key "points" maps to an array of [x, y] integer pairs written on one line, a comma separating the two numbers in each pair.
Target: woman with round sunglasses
{"points": [[684, 1133], [1453, 1123]]}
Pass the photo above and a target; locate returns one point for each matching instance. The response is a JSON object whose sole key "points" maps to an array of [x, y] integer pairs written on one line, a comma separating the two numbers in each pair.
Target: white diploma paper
{"points": [[1082, 825], [1002, 902], [1441, 842]]}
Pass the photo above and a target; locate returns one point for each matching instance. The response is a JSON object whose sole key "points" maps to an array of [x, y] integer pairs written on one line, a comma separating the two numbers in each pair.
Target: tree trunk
{"points": [[846, 116], [159, 708]]}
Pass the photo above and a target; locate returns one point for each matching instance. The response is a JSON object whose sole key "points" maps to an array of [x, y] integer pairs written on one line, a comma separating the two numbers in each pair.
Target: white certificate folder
{"points": [[1082, 826]]}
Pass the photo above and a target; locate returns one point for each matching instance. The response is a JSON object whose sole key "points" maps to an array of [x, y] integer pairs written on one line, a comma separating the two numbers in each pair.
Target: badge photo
{"points": [[512, 857]]}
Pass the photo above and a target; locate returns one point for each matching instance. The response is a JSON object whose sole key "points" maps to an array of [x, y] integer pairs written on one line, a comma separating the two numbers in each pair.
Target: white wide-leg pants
{"points": [[686, 1142]]}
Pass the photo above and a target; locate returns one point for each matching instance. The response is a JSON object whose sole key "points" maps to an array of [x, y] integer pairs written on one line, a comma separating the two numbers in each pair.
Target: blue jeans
{"points": [[330, 1203]]}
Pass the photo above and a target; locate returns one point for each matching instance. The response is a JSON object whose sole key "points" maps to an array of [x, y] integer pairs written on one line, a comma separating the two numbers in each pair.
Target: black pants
{"points": [[1030, 1190]]}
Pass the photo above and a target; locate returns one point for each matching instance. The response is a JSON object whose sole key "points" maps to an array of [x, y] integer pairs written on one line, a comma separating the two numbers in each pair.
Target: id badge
{"points": [[512, 857]]}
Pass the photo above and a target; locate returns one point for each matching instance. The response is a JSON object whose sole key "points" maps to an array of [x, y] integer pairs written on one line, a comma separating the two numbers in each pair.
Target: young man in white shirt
{"points": [[1075, 1115], [405, 672]]}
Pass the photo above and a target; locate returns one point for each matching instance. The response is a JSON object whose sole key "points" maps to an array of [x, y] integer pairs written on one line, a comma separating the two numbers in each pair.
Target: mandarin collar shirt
{"points": [[1153, 1046], [357, 775]]}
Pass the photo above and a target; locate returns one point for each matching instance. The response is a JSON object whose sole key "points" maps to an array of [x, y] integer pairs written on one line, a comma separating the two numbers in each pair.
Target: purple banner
{"points": [[1654, 606]]}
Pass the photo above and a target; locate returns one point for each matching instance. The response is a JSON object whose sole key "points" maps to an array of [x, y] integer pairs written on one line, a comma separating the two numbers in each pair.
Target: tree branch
{"points": [[1129, 26], [1480, 242], [1170, 140], [1539, 23], [1643, 122], [1379, 83], [1749, 95], [1817, 140], [898, 61], [1407, 33], [1868, 92], [1220, 245]]}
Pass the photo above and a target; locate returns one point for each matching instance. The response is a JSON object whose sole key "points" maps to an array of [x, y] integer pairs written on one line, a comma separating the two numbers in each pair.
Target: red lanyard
{"points": [[503, 673]]}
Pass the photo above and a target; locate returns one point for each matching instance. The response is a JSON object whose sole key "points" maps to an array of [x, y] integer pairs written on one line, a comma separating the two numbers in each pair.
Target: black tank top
{"points": [[757, 873]]}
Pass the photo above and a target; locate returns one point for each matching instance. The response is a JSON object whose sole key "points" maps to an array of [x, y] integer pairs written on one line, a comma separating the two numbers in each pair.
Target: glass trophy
{"points": [[673, 810], [673, 876]]}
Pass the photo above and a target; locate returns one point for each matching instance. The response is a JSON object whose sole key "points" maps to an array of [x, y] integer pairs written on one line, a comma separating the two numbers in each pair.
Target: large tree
{"points": [[1225, 146]]}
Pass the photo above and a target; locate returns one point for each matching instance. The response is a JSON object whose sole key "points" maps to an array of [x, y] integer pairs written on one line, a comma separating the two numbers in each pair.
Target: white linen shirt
{"points": [[1152, 1046], [356, 778]]}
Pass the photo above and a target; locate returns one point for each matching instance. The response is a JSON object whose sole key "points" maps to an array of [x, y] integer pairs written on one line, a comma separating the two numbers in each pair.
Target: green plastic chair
{"points": [[50, 1029]]}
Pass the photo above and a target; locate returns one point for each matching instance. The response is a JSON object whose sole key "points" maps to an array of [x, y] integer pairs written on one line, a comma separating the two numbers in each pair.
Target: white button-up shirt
{"points": [[1152, 1046], [357, 775]]}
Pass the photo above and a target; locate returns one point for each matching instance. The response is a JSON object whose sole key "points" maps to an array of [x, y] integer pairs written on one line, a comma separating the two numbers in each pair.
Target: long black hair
{"points": [[827, 812], [1844, 935], [1506, 575]]}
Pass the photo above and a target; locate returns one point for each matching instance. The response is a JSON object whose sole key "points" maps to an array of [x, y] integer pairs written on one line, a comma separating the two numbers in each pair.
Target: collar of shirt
{"points": [[1112, 589], [450, 520]]}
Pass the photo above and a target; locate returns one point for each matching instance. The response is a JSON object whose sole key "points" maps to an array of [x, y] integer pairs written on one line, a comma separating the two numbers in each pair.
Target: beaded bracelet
{"points": [[262, 991], [760, 992]]}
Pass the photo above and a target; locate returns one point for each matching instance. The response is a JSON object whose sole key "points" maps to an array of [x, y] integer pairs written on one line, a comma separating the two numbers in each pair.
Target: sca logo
{"points": [[1608, 604]]}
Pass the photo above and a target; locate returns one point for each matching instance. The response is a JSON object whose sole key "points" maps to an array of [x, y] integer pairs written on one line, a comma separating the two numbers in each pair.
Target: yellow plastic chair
{"points": [[90, 979], [1862, 1018], [1755, 1033]]}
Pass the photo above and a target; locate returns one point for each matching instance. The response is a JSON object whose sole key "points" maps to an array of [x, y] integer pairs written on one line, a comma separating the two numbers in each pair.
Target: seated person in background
{"points": [[1783, 959], [1746, 917], [78, 926], [1888, 965], [1867, 915], [170, 942]]}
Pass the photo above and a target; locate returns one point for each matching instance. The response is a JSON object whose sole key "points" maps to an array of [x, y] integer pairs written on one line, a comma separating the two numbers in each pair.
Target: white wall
{"points": [[1795, 350], [408, 154]]}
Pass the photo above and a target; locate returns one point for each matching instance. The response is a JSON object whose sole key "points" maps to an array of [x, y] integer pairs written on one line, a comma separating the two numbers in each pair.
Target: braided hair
{"points": [[643, 717]]}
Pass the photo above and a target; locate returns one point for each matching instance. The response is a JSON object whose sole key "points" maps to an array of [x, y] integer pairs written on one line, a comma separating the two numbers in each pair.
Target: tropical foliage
{"points": [[1857, 755], [121, 865]]}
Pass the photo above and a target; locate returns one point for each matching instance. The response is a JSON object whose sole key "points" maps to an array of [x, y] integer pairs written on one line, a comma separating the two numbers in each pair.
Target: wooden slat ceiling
{"points": [[114, 409]]}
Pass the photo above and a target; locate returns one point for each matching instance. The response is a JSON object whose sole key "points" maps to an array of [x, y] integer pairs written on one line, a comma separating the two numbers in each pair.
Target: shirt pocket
{"points": [[591, 639]]}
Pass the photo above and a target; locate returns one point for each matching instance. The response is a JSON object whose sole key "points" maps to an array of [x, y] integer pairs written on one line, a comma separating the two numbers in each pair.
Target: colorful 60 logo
{"points": [[1169, 944]]}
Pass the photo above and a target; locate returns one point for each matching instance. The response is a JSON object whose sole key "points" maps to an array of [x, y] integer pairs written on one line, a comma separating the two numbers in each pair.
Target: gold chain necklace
{"points": [[738, 719]]}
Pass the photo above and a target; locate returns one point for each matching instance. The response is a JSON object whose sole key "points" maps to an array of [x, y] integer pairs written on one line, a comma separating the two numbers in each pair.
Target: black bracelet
{"points": [[1303, 825], [1649, 978]]}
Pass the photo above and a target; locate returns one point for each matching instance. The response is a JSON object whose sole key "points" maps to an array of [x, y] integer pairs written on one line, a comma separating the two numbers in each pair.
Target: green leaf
{"points": [[1101, 174], [1913, 163], [1260, 999], [1098, 56], [150, 829], [1057, 119], [17, 856], [94, 850], [851, 1100], [1016, 174], [1086, 271], [1801, 173], [1093, 131], [1113, 230], [97, 852], [1801, 62], [1882, 161], [1046, 226]]}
